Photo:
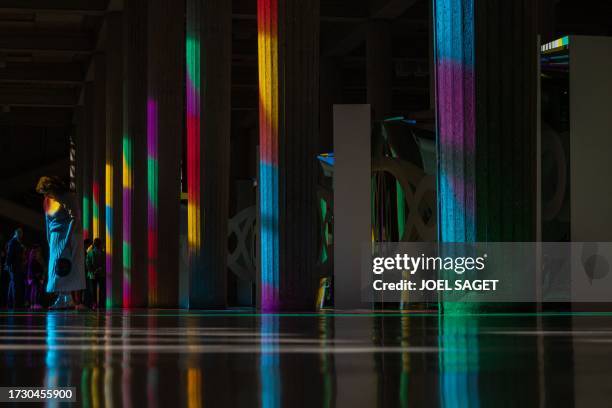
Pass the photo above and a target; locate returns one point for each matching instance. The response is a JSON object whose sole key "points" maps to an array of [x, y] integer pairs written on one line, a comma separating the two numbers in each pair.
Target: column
{"points": [[99, 146], [486, 119], [486, 73], [80, 134], [86, 148], [208, 97], [165, 129], [134, 153], [431, 57], [379, 68], [288, 52], [78, 126], [113, 186]]}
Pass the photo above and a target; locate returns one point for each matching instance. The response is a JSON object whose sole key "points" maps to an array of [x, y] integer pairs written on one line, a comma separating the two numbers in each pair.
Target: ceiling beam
{"points": [[19, 72], [97, 7], [37, 96], [39, 40], [389, 9]]}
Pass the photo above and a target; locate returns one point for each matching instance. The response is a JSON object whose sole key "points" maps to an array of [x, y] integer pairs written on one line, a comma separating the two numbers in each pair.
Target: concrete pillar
{"points": [[86, 158], [431, 57], [486, 119], [379, 68], [81, 141], [486, 73], [165, 130], [134, 153], [208, 95], [87, 142], [99, 146], [114, 160], [288, 55], [78, 132]]}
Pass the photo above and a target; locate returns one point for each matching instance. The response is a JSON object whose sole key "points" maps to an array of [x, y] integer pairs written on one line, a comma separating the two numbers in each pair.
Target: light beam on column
{"points": [[86, 219], [96, 209], [456, 137], [109, 233], [152, 183], [127, 157], [193, 144], [456, 119], [267, 40]]}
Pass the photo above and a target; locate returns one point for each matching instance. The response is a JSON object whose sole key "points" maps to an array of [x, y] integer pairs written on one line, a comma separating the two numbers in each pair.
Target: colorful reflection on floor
{"points": [[169, 358]]}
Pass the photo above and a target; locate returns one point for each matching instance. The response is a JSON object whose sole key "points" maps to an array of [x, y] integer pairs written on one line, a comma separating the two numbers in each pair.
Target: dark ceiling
{"points": [[46, 45], [46, 48]]}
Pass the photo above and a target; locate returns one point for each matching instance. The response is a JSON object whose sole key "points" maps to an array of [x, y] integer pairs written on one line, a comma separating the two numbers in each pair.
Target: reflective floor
{"points": [[174, 359]]}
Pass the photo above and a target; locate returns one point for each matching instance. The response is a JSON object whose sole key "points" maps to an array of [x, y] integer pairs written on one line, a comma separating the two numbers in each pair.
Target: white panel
{"points": [[591, 138], [591, 186], [352, 185]]}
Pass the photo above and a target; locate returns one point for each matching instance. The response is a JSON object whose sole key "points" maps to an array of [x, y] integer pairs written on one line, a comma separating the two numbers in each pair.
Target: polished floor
{"points": [[419, 359]]}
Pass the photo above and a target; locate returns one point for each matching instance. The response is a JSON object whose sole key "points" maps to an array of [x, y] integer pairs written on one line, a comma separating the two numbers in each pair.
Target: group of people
{"points": [[23, 275], [73, 276]]}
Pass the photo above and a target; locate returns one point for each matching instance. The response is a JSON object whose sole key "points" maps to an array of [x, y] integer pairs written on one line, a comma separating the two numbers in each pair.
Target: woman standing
{"points": [[64, 233]]}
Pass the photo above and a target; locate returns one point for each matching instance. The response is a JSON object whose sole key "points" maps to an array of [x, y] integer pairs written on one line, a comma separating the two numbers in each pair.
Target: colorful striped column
{"points": [[486, 93], [193, 90], [456, 118], [288, 129], [86, 217], [208, 117], [165, 133], [87, 157], [194, 153], [127, 182], [79, 162], [108, 212], [134, 155], [153, 198], [267, 40], [99, 147], [114, 160], [486, 119], [96, 209]]}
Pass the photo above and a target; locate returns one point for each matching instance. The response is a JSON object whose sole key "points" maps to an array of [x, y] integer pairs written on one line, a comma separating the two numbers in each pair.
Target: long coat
{"points": [[65, 236]]}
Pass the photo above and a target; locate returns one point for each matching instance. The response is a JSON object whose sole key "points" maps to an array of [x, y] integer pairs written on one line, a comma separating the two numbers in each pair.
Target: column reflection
{"points": [[458, 360], [126, 367], [108, 361], [57, 370], [90, 357], [404, 375], [152, 370], [269, 365], [326, 333], [192, 364]]}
